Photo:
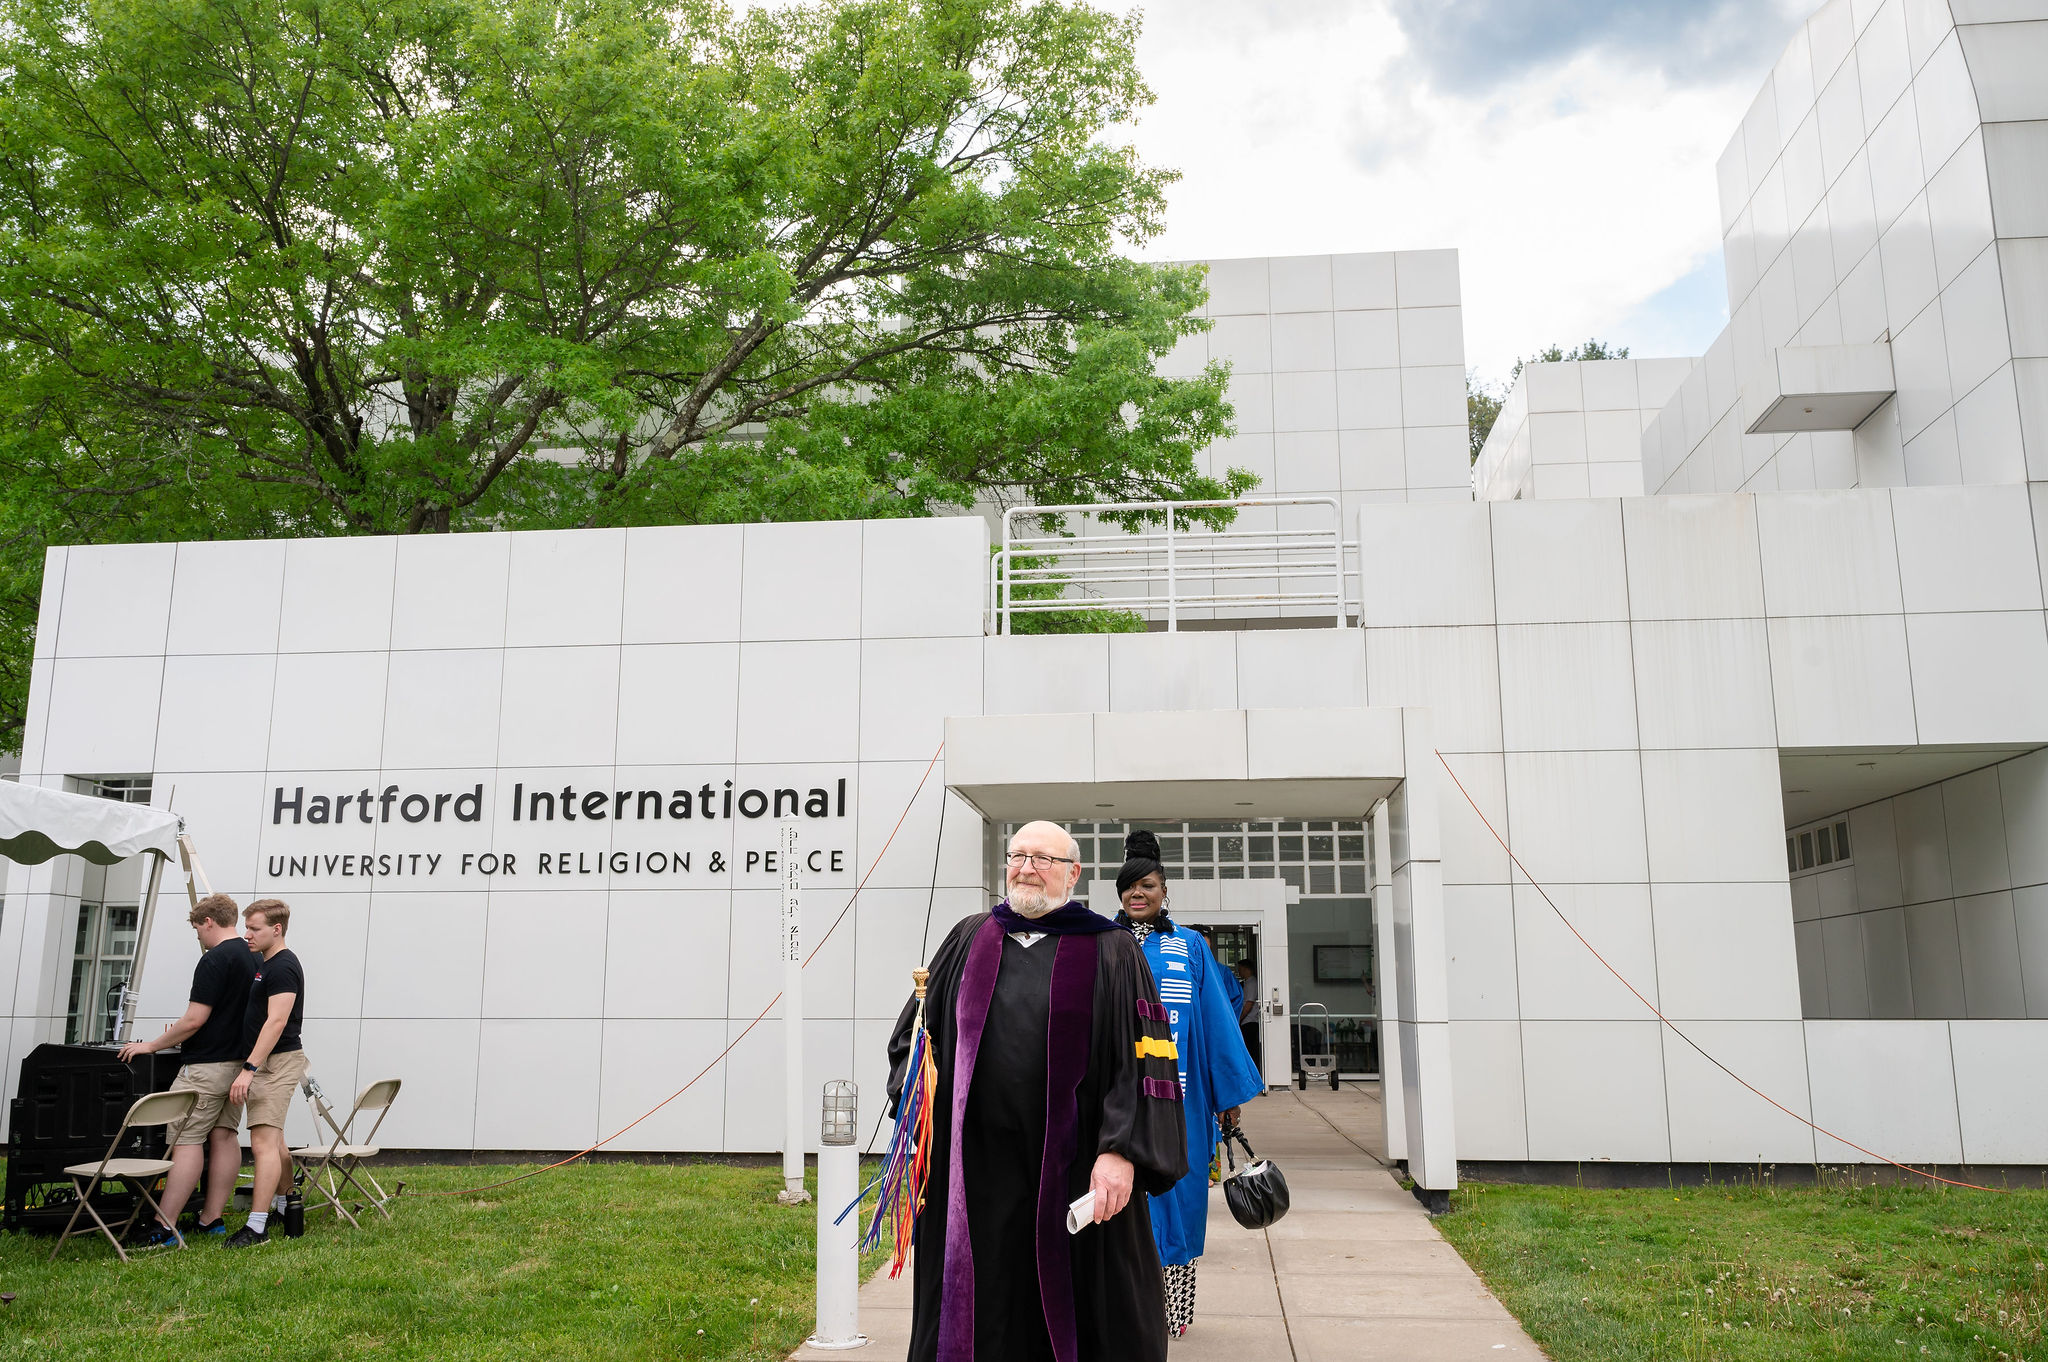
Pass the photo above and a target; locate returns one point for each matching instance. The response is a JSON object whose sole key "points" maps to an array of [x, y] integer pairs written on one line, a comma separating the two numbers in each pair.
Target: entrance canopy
{"points": [[36, 824], [1223, 764]]}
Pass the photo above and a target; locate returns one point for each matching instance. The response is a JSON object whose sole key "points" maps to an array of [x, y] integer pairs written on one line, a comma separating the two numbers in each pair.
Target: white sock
{"points": [[258, 1219], [277, 1204]]}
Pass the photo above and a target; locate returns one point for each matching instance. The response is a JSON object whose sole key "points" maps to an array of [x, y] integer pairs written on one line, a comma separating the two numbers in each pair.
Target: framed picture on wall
{"points": [[1342, 964]]}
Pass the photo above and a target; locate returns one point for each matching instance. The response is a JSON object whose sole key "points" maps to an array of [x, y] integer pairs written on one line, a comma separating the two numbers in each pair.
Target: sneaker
{"points": [[155, 1237], [219, 1226], [246, 1237]]}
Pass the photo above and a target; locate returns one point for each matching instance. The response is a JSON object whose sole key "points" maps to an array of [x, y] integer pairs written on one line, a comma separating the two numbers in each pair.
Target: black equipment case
{"points": [[66, 1110]]}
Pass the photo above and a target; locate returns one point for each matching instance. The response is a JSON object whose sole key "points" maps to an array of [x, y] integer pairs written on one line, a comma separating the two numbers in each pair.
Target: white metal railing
{"points": [[1171, 568]]}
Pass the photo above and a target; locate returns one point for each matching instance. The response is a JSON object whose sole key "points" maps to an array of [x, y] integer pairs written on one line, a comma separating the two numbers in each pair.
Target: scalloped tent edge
{"points": [[37, 824]]}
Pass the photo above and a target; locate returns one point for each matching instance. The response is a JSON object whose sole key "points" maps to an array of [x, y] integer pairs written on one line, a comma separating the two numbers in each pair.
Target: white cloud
{"points": [[1577, 190]]}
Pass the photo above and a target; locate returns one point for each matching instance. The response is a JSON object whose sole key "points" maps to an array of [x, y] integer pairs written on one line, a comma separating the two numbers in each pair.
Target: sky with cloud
{"points": [[1567, 151]]}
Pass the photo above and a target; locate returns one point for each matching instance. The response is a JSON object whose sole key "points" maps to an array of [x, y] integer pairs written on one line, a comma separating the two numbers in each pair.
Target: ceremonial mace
{"points": [[908, 1162]]}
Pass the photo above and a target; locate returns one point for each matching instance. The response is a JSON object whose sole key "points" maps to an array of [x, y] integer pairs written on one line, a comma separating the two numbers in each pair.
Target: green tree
{"points": [[303, 267], [1482, 408], [1053, 587], [1557, 354]]}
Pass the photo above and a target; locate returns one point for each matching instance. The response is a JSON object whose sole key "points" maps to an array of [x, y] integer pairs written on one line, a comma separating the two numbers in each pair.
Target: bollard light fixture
{"points": [[839, 1124], [838, 1227]]}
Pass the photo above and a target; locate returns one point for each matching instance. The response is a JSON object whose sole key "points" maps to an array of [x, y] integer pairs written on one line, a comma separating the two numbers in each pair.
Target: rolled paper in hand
{"points": [[1082, 1213]]}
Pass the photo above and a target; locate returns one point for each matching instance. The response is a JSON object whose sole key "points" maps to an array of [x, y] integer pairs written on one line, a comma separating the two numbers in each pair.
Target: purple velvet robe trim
{"points": [[1070, 917], [1068, 1033], [970, 1011]]}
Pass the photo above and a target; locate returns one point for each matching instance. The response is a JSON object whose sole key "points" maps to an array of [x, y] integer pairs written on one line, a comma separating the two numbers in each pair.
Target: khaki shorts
{"points": [[274, 1085], [211, 1082]]}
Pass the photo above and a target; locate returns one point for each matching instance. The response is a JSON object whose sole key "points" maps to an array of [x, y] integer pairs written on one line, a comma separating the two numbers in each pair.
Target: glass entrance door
{"points": [[103, 955], [1236, 947], [1333, 960], [103, 936]]}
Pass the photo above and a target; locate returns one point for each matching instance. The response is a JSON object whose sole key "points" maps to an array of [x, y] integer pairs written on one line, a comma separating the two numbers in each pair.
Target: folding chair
{"points": [[159, 1108], [339, 1161]]}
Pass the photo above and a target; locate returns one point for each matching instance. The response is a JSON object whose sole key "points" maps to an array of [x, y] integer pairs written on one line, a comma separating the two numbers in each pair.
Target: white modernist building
{"points": [[1774, 736]]}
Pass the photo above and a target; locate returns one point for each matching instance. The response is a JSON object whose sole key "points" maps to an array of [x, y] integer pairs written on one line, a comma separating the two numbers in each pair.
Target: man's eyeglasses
{"points": [[1039, 860]]}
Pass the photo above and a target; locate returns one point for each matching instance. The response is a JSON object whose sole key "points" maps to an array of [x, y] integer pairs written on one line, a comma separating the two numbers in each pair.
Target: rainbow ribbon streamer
{"points": [[908, 1162]]}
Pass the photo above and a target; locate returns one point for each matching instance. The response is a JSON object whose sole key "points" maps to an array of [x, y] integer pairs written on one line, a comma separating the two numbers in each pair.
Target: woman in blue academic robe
{"points": [[1216, 1072]]}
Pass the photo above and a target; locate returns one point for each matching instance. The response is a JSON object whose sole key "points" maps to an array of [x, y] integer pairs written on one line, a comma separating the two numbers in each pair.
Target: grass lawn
{"points": [[592, 1261], [1761, 1272]]}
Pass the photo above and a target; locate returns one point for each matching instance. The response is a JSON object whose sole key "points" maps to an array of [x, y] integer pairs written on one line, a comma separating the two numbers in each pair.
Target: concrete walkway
{"points": [[1355, 1271]]}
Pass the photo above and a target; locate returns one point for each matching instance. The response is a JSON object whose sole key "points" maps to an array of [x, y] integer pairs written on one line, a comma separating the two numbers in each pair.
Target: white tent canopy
{"points": [[36, 824]]}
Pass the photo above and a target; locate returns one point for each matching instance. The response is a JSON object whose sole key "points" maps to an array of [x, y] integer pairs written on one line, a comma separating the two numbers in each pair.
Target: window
{"points": [[1817, 847], [1319, 858], [102, 958], [120, 789], [105, 927]]}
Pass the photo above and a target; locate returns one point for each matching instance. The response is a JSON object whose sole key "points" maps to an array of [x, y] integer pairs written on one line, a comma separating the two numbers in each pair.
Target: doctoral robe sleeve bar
{"points": [[1141, 1111]]}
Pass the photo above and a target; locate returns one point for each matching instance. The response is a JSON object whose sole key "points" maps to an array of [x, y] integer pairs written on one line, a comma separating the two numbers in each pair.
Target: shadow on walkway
{"points": [[1355, 1271]]}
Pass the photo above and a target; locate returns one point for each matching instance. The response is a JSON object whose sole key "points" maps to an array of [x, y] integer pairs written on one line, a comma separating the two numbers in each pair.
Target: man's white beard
{"points": [[1029, 900]]}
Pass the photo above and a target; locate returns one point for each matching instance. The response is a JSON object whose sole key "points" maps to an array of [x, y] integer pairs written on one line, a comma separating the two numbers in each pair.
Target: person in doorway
{"points": [[1248, 1008], [273, 1063], [1216, 1073], [211, 1033], [1055, 1081]]}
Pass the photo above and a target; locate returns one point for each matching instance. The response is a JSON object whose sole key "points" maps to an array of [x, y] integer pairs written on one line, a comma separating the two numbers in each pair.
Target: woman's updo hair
{"points": [[1141, 858]]}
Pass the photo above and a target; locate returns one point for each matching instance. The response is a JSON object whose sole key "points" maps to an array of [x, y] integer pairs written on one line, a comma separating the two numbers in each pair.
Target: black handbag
{"points": [[1258, 1195]]}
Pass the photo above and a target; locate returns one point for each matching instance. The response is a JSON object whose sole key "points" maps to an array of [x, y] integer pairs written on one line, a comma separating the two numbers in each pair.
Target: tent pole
{"points": [[131, 993], [196, 883]]}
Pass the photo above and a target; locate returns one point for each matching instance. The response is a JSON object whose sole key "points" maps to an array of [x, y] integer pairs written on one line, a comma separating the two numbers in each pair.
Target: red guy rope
{"points": [[1908, 1168]]}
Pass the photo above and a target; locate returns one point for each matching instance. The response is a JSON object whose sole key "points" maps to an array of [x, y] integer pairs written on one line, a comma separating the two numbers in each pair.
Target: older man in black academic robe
{"points": [[1057, 1077]]}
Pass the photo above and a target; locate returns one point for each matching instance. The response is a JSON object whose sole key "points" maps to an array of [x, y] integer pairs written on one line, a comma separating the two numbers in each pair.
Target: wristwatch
{"points": [[252, 1068]]}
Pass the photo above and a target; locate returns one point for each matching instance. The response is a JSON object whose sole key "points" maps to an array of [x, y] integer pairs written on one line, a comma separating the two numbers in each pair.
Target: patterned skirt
{"points": [[1180, 1298]]}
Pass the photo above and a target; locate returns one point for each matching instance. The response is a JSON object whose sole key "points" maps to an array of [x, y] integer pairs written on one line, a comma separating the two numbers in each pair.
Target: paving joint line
{"points": [[1344, 1137], [1273, 1266]]}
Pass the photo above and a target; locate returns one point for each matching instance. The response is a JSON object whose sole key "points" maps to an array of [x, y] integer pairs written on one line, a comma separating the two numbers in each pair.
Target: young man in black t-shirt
{"points": [[211, 1033], [273, 1063]]}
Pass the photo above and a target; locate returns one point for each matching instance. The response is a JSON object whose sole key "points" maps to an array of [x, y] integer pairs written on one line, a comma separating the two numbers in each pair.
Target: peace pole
{"points": [[792, 1193]]}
